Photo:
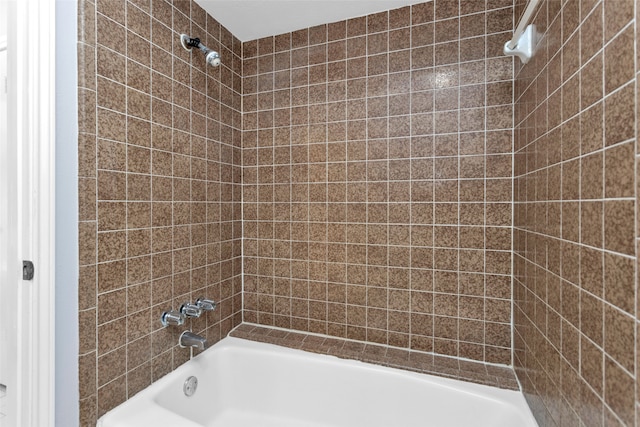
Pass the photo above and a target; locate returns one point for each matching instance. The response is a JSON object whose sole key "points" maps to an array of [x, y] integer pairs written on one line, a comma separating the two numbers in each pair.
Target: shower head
{"points": [[211, 56]]}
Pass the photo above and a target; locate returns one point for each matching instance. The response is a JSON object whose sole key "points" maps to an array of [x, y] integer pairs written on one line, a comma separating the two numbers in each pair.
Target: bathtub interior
{"points": [[244, 383]]}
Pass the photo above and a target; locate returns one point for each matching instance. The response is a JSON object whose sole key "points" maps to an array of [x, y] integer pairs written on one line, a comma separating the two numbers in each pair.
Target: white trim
{"points": [[31, 122]]}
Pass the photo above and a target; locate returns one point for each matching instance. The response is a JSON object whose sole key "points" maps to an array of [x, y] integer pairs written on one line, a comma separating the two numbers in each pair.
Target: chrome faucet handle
{"points": [[206, 304], [190, 310], [172, 317]]}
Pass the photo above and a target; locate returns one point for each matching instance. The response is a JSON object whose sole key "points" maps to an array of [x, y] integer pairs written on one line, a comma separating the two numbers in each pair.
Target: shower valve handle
{"points": [[206, 304], [172, 318], [191, 310]]}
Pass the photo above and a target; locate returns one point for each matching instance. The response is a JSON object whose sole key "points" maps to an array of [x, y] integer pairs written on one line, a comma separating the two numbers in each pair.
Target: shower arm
{"points": [[211, 56], [193, 42]]}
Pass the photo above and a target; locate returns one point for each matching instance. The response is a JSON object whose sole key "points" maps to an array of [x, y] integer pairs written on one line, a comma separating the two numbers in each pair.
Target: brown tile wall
{"points": [[377, 188], [575, 207], [377, 191], [160, 190]]}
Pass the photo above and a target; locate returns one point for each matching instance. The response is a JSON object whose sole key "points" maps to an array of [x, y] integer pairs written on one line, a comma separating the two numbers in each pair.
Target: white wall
{"points": [[4, 340], [66, 340]]}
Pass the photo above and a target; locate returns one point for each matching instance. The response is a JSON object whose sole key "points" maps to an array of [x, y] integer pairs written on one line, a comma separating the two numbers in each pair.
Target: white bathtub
{"points": [[246, 383]]}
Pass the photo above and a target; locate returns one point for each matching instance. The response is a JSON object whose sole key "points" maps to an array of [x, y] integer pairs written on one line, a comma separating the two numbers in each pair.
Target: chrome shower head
{"points": [[211, 56]]}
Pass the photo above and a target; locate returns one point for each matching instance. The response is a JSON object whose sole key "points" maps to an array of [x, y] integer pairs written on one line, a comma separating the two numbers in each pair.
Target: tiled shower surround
{"points": [[377, 179], [160, 190], [366, 180], [575, 264]]}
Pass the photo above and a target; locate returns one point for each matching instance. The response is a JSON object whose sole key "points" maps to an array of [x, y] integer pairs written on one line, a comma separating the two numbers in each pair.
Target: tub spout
{"points": [[189, 339]]}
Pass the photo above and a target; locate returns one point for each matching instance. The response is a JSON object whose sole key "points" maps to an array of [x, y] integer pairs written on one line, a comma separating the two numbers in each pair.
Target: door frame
{"points": [[31, 133]]}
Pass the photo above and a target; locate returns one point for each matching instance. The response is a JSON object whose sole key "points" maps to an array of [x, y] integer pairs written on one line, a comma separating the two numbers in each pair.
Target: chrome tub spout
{"points": [[189, 339]]}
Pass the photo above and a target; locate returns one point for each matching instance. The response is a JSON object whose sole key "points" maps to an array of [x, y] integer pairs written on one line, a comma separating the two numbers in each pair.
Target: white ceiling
{"points": [[254, 19]]}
